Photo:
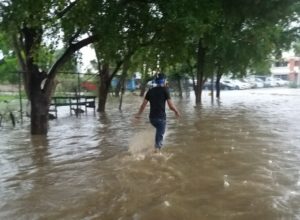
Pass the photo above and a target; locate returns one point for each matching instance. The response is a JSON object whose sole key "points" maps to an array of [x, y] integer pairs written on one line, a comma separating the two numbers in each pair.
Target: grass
{"points": [[8, 97]]}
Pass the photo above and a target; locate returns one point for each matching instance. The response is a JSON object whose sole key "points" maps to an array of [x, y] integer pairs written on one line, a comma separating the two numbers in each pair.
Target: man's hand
{"points": [[137, 116], [173, 108], [136, 119], [142, 107]]}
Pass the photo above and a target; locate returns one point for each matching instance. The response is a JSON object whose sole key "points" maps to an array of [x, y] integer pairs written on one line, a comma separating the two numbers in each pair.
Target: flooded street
{"points": [[238, 158]]}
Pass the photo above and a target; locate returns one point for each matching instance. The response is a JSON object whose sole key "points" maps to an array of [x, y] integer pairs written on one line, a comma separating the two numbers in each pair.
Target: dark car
{"points": [[207, 85]]}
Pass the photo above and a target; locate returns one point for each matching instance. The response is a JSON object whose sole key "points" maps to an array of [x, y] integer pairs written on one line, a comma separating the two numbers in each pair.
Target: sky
{"points": [[88, 54]]}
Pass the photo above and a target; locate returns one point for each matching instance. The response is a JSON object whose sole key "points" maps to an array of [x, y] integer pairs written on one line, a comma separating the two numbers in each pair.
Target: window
{"points": [[281, 63]]}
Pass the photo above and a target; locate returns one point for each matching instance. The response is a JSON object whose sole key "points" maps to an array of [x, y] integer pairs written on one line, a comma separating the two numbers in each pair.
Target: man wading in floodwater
{"points": [[157, 97]]}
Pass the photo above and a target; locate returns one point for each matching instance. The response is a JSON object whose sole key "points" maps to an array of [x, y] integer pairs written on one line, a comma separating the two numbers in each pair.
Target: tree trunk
{"points": [[218, 87], [212, 88], [123, 81], [179, 87], [34, 81], [103, 93], [200, 71], [118, 87], [39, 113], [104, 87], [40, 101], [122, 93], [143, 89]]}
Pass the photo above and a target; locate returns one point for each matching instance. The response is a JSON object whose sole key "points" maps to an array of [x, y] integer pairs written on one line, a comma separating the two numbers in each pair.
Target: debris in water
{"points": [[226, 183], [167, 203]]}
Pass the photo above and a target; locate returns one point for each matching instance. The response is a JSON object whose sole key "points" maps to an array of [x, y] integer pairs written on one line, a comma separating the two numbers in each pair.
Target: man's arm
{"points": [[142, 107], [172, 107]]}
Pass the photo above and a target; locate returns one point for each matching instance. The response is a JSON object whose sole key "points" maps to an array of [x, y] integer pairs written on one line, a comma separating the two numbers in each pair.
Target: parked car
{"points": [[207, 85], [227, 84], [259, 83], [237, 84], [242, 85], [255, 82], [223, 85], [251, 82], [281, 82], [270, 82]]}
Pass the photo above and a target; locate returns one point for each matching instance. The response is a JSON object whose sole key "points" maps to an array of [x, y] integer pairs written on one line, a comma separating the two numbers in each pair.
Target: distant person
{"points": [[158, 96]]}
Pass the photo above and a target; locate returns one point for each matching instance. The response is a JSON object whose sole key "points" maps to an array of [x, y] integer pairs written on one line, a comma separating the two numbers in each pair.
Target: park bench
{"points": [[74, 103]]}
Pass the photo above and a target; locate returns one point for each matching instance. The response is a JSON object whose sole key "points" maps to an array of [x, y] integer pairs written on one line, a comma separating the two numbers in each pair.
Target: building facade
{"points": [[287, 69]]}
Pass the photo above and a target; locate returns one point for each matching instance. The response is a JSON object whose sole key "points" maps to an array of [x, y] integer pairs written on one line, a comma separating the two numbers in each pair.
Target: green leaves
{"points": [[234, 33]]}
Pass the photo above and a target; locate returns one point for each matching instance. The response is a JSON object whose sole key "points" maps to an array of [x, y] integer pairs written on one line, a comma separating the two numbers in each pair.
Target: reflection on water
{"points": [[238, 158]]}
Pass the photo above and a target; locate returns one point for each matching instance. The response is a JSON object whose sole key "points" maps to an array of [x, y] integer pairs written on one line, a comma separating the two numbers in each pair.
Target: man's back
{"points": [[157, 97]]}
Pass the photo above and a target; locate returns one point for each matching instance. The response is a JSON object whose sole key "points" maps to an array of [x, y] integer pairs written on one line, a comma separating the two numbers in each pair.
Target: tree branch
{"points": [[120, 63], [19, 53], [72, 38], [65, 56], [61, 13], [118, 66]]}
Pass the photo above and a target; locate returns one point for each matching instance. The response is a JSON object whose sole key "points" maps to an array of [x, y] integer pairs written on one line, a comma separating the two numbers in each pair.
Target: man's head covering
{"points": [[160, 79]]}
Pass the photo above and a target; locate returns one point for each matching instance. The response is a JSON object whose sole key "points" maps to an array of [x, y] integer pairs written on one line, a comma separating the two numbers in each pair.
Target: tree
{"points": [[29, 22], [233, 37], [8, 63], [134, 27], [8, 70], [211, 35]]}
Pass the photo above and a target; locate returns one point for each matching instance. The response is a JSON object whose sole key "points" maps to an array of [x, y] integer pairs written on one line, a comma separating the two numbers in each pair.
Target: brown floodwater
{"points": [[237, 158]]}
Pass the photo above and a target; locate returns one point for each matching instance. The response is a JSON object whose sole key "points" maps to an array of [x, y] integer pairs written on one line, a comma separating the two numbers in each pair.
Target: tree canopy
{"points": [[204, 38]]}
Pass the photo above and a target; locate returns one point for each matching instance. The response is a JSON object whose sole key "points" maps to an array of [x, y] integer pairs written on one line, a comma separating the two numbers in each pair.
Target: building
{"points": [[287, 69]]}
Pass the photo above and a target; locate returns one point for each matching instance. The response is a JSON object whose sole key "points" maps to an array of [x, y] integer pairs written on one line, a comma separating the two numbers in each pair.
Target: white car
{"points": [[281, 82], [270, 82], [228, 84], [251, 82], [241, 85], [255, 82], [259, 83]]}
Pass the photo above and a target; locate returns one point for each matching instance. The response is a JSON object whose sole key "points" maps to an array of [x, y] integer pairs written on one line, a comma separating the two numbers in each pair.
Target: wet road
{"points": [[238, 158]]}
